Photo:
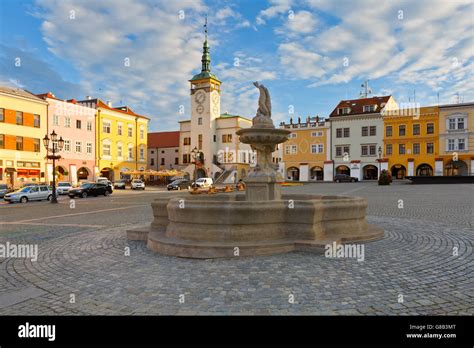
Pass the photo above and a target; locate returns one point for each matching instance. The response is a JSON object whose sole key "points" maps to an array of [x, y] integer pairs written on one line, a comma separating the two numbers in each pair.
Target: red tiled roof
{"points": [[163, 139], [357, 106], [124, 109]]}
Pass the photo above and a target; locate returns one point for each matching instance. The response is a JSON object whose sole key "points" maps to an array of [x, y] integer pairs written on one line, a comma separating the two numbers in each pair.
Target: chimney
{"points": [[109, 103], [88, 97]]}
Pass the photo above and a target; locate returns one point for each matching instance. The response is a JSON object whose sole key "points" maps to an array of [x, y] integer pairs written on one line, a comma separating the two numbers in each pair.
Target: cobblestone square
{"points": [[424, 265]]}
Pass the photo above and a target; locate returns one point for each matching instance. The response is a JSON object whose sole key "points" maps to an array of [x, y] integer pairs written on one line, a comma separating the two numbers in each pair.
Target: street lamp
{"points": [[380, 156], [56, 146], [195, 152]]}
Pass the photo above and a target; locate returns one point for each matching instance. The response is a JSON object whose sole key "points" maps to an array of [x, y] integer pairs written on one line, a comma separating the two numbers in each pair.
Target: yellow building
{"points": [[121, 139], [411, 141], [23, 124], [456, 139], [307, 150]]}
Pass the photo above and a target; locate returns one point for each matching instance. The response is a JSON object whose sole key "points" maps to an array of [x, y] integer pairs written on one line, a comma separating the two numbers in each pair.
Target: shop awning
{"points": [[10, 169]]}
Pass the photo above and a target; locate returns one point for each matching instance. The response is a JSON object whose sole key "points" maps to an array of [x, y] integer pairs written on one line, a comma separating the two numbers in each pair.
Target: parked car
{"points": [[121, 184], [63, 187], [179, 184], [137, 184], [344, 178], [4, 190], [90, 189], [30, 193], [105, 181], [203, 182]]}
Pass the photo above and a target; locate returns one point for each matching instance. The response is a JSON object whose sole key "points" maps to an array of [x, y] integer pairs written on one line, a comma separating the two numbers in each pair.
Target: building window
{"points": [[36, 121], [452, 124], [78, 146], [317, 134], [369, 108], [67, 122], [106, 127], [89, 126], [401, 149], [416, 149], [372, 150], [130, 130], [430, 128], [388, 131], [19, 117], [37, 145], [19, 143], [341, 150], [291, 149], [2, 115], [2, 141], [200, 121], [416, 129], [215, 138], [292, 135], [401, 130], [461, 144], [78, 124], [460, 123], [130, 152], [451, 145], [186, 158], [119, 129], [317, 148], [67, 145], [56, 120], [142, 132], [429, 148], [365, 131], [119, 150], [162, 161], [338, 132], [187, 141], [373, 131], [226, 138], [89, 148], [346, 132], [388, 149], [364, 151], [152, 161], [200, 141], [343, 111], [142, 153], [176, 160], [105, 149]]}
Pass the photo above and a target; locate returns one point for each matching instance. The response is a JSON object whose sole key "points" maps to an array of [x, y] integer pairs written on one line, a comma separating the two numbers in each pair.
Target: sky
{"points": [[309, 53]]}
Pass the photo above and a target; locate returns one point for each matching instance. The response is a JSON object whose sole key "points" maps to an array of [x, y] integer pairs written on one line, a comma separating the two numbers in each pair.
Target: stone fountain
{"points": [[260, 222]]}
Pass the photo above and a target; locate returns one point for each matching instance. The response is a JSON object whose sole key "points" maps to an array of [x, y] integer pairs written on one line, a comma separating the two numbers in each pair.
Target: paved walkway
{"points": [[417, 260]]}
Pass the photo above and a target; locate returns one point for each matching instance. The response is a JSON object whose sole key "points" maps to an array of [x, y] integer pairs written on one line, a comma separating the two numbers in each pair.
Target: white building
{"points": [[357, 136], [210, 134]]}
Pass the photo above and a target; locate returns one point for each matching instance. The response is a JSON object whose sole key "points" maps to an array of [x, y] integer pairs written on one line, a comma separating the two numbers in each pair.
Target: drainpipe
{"points": [[97, 146], [136, 143]]}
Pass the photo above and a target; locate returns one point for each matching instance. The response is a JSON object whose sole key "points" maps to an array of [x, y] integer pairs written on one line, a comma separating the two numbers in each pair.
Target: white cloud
{"points": [[405, 41], [277, 7]]}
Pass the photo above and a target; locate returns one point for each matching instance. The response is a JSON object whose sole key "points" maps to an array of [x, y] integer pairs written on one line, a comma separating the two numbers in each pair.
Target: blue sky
{"points": [[309, 53]]}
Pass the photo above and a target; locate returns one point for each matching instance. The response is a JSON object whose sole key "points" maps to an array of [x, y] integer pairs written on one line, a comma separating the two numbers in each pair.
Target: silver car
{"points": [[30, 193], [3, 190], [63, 187]]}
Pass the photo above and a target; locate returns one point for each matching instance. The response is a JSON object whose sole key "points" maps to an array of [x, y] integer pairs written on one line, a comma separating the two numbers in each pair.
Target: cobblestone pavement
{"points": [[426, 257]]}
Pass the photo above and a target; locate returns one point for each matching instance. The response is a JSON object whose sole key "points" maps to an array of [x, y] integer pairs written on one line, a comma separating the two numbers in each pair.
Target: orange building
{"points": [[411, 141], [23, 124], [307, 149]]}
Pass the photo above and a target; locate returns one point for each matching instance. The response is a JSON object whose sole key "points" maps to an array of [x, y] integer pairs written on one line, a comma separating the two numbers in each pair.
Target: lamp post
{"points": [[51, 153], [195, 152], [380, 156]]}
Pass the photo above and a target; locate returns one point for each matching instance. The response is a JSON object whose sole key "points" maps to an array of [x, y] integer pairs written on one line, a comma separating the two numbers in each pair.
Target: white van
{"points": [[203, 182]]}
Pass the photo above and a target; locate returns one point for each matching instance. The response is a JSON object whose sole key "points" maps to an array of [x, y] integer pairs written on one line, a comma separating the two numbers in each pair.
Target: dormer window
{"points": [[343, 111], [370, 108]]}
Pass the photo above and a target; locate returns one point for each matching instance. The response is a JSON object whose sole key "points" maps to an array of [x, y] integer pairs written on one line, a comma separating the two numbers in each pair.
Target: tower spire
{"points": [[206, 57]]}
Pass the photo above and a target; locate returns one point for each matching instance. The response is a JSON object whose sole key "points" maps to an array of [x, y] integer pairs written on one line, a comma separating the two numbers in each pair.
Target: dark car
{"points": [[179, 184], [344, 178], [90, 189], [4, 190]]}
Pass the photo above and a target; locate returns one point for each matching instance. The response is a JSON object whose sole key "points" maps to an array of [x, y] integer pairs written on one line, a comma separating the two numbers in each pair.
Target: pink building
{"points": [[76, 124]]}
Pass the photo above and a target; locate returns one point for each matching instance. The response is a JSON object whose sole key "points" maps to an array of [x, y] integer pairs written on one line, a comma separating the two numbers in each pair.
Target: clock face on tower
{"points": [[215, 97], [200, 97], [200, 109]]}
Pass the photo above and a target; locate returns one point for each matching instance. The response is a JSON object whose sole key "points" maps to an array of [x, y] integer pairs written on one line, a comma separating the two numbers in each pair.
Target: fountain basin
{"points": [[214, 226], [264, 136]]}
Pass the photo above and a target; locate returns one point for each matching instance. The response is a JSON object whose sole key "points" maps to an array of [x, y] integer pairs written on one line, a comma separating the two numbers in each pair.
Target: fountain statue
{"points": [[261, 221]]}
